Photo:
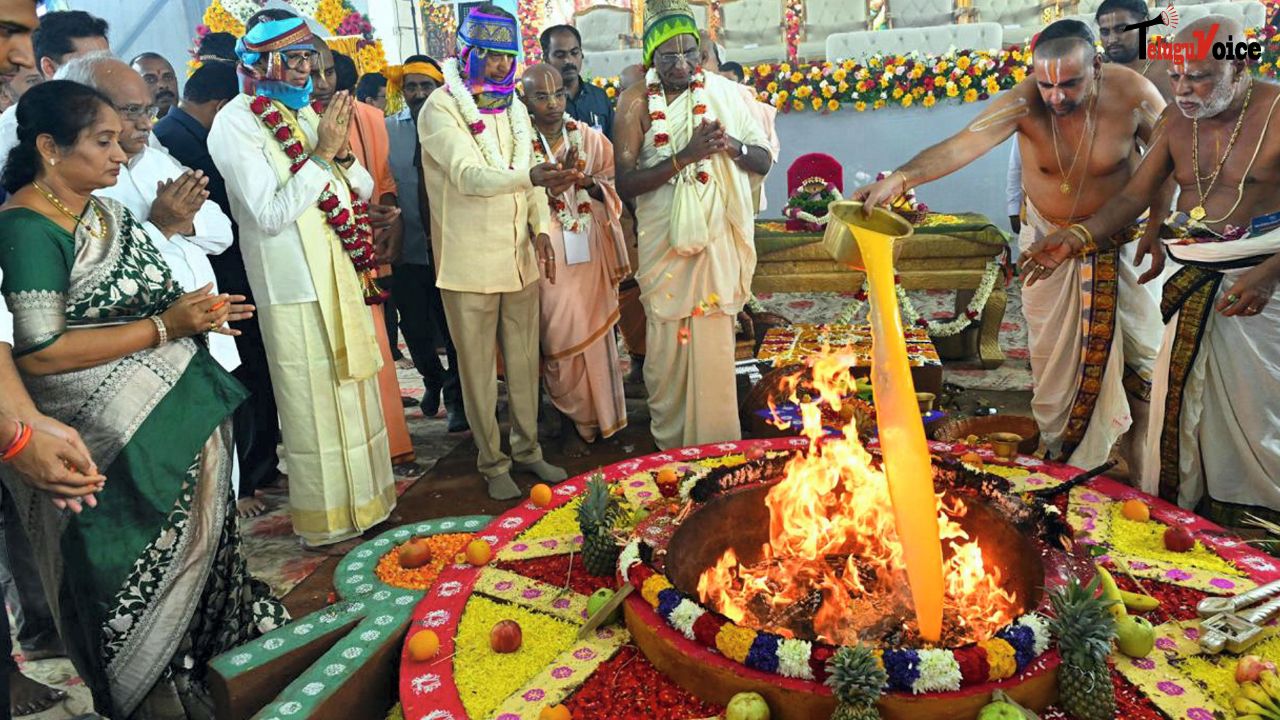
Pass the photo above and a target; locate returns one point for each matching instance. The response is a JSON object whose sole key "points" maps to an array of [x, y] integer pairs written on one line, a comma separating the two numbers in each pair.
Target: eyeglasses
{"points": [[295, 60], [136, 112], [690, 57]]}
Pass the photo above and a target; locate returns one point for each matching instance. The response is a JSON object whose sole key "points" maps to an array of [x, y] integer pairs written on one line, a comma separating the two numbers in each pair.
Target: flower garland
{"points": [[661, 128], [923, 670], [351, 225], [792, 21], [571, 219], [942, 328], [803, 205], [517, 116], [912, 80], [531, 15]]}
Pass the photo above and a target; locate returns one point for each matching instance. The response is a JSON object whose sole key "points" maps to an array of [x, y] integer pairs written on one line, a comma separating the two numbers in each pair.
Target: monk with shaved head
{"points": [[580, 308], [1077, 123], [1214, 441]]}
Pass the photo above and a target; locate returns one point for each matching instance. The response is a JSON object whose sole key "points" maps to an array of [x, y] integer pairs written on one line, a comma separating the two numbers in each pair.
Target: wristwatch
{"points": [[743, 152]]}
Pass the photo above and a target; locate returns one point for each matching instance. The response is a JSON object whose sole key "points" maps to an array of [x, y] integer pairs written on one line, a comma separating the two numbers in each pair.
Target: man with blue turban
{"points": [[300, 199], [489, 233]]}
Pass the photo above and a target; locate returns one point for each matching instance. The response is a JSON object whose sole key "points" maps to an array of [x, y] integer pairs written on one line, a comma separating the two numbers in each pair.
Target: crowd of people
{"points": [[193, 279]]}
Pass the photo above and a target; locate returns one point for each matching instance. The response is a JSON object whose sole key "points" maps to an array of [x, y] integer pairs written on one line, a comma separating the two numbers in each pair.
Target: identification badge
{"points": [[1264, 223], [576, 247]]}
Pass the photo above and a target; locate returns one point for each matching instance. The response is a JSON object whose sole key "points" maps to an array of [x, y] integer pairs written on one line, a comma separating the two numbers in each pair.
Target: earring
{"points": [[53, 161]]}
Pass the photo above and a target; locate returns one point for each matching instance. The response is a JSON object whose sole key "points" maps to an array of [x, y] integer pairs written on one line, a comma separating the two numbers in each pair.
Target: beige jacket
{"points": [[481, 217]]}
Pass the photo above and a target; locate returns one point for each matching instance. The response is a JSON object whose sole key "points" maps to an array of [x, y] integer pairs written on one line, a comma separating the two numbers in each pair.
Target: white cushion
{"points": [[601, 26], [1020, 13], [927, 40], [609, 63], [920, 13], [751, 23], [774, 53]]}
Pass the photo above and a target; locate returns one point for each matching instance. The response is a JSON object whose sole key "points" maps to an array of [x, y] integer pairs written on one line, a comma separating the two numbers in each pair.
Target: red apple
{"points": [[1179, 539], [1250, 667], [505, 637]]}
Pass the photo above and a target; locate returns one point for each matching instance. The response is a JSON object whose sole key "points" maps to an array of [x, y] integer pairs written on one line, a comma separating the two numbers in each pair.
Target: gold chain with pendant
{"points": [[1198, 212], [62, 208], [1064, 186]]}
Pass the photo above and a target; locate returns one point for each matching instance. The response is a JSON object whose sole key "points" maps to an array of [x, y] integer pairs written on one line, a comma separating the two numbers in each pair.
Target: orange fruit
{"points": [[972, 458], [478, 552], [540, 495], [424, 645], [555, 712], [1135, 509], [667, 476]]}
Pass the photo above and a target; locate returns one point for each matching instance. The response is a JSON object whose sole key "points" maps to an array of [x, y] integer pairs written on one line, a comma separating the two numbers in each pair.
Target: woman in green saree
{"points": [[150, 585]]}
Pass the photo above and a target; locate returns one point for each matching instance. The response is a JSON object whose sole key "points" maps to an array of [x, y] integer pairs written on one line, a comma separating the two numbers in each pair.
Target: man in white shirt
{"points": [[287, 194], [60, 37]]}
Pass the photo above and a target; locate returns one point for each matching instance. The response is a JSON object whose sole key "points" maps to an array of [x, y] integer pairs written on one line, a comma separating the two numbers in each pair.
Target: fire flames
{"points": [[834, 558]]}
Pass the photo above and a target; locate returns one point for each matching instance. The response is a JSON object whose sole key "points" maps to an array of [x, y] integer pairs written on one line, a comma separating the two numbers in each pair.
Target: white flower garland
{"points": [[572, 217], [798, 214], [911, 315], [658, 110], [517, 118]]}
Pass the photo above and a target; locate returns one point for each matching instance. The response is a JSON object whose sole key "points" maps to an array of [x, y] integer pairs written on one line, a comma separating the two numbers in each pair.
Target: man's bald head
{"points": [[541, 77], [710, 52], [542, 88], [1206, 88], [126, 89], [1226, 26]]}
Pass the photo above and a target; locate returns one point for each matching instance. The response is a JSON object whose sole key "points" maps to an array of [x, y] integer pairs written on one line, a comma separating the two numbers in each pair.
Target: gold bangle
{"points": [[1088, 245], [906, 179], [675, 164]]}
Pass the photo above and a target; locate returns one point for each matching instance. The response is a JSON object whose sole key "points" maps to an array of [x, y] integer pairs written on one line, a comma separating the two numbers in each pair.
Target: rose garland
{"points": [[517, 116], [352, 225], [658, 118], [945, 328], [571, 219]]}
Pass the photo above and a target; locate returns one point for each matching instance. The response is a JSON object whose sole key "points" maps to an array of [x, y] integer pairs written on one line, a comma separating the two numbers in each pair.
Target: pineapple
{"points": [[857, 680], [1084, 629], [598, 514]]}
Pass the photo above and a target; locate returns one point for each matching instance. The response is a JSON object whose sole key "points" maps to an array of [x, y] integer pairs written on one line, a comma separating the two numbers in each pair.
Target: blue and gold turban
{"points": [[272, 39], [479, 34], [663, 20]]}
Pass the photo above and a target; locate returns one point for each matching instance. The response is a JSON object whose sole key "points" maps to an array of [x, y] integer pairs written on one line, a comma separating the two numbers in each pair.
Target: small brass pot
{"points": [[1005, 444]]}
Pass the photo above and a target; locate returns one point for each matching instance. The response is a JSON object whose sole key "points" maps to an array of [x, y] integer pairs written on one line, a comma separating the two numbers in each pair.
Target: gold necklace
{"points": [[1198, 212], [62, 208], [1064, 187]]}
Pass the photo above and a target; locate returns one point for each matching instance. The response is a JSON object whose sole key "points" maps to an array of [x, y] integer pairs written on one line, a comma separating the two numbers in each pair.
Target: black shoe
{"points": [[431, 402], [458, 421]]}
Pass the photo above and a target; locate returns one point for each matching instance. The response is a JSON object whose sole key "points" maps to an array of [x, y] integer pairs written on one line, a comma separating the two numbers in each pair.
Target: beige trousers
{"points": [[693, 392], [480, 324]]}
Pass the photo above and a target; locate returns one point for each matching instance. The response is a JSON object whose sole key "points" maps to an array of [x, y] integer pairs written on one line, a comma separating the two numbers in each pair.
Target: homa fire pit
{"points": [[772, 565]]}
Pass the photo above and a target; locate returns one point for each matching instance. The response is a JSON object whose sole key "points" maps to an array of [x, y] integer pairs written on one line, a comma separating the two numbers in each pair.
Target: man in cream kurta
{"points": [[486, 213], [694, 219], [318, 332]]}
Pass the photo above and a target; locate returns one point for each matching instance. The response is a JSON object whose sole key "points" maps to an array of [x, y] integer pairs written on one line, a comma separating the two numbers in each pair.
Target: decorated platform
{"points": [[536, 577]]}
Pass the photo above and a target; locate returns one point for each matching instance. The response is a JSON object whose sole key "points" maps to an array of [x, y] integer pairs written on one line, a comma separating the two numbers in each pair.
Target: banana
{"points": [[1138, 602], [1270, 683], [1111, 592], [1253, 691], [1244, 706]]}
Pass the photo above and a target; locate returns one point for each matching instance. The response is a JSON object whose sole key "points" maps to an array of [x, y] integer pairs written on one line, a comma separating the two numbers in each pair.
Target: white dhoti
{"points": [[1215, 398], [335, 438], [1093, 333]]}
